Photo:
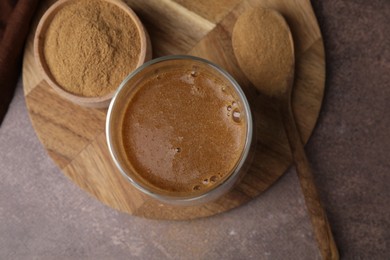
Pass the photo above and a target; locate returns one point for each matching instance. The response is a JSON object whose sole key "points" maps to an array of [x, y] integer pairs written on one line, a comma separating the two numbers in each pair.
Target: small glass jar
{"points": [[116, 113]]}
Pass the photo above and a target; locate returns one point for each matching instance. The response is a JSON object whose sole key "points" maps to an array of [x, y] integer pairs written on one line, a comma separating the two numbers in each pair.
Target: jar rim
{"points": [[198, 197]]}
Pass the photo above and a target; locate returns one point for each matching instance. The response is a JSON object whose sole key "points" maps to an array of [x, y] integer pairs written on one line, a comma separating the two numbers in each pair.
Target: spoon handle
{"points": [[316, 211]]}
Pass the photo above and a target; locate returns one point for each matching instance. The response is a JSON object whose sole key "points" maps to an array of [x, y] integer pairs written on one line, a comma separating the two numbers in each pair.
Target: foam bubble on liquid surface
{"points": [[213, 178], [233, 110], [207, 182], [236, 115], [187, 79], [194, 73]]}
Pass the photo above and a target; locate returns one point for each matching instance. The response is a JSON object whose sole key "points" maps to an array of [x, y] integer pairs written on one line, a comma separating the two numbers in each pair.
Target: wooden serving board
{"points": [[74, 136]]}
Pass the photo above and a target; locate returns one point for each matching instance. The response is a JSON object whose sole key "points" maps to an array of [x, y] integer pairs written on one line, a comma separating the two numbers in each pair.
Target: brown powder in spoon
{"points": [[266, 36], [90, 46]]}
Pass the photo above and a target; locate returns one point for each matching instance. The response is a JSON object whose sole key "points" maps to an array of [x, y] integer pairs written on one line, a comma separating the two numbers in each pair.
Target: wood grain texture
{"points": [[172, 27], [74, 136], [213, 11]]}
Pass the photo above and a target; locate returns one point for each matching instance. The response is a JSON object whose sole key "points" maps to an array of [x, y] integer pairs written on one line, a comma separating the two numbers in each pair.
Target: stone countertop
{"points": [[43, 215]]}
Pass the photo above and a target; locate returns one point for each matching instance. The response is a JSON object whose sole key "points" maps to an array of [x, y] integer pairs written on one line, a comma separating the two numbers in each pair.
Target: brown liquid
{"points": [[183, 131]]}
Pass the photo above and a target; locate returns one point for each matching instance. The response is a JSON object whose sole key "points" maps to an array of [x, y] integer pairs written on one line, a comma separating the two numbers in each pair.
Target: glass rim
{"points": [[235, 171]]}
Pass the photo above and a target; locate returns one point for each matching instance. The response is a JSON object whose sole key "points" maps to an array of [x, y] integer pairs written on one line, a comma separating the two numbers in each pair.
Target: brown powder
{"points": [[90, 47], [262, 45]]}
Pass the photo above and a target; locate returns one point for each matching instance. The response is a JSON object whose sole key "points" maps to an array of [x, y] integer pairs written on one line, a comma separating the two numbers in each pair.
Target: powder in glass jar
{"points": [[90, 47]]}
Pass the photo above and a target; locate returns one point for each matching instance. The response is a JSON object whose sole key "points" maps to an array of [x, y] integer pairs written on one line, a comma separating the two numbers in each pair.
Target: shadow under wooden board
{"points": [[74, 136]]}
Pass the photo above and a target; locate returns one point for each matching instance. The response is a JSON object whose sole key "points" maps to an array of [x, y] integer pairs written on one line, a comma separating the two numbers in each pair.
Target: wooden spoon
{"points": [[264, 49]]}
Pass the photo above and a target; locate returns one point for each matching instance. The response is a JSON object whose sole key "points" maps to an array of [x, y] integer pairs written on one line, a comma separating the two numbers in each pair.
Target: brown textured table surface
{"points": [[45, 216]]}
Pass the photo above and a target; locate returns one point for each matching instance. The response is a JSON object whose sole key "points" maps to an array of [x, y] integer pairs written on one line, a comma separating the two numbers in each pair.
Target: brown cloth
{"points": [[15, 18]]}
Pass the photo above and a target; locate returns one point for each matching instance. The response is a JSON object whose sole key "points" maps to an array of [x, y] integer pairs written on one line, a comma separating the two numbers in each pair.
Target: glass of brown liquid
{"points": [[180, 130]]}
